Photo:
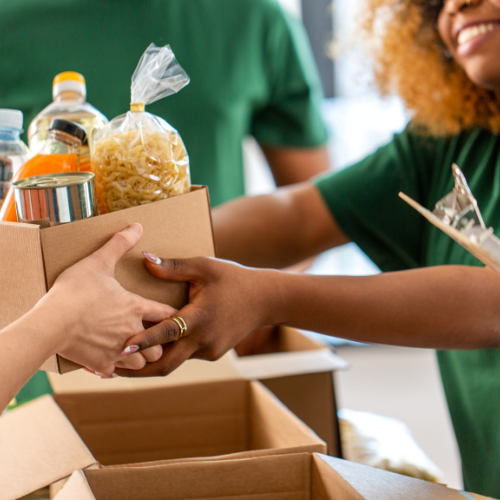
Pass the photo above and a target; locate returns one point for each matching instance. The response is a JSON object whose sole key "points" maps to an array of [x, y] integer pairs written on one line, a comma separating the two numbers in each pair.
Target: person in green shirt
{"points": [[442, 58], [250, 64]]}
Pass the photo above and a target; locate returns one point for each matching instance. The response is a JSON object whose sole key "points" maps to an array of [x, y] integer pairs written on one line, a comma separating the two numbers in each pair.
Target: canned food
{"points": [[54, 199]]}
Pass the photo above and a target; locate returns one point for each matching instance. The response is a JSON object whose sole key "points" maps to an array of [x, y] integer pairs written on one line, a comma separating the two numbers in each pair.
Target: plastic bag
{"points": [[384, 443], [138, 157]]}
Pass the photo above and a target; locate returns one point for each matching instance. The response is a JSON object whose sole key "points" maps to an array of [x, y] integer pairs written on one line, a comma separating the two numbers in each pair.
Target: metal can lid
{"points": [[52, 181]]}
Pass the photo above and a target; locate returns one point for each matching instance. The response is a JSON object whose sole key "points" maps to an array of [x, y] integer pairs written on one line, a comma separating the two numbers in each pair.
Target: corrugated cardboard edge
{"points": [[371, 483], [210, 214]]}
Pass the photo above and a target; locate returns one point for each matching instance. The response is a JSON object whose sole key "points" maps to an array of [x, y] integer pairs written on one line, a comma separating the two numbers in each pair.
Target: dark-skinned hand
{"points": [[226, 302]]}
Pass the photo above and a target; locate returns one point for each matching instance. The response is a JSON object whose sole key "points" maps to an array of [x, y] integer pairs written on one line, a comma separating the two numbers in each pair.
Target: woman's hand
{"points": [[94, 316], [226, 302]]}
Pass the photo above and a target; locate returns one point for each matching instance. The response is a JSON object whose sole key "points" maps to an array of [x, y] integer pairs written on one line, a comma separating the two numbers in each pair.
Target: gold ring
{"points": [[181, 324]]}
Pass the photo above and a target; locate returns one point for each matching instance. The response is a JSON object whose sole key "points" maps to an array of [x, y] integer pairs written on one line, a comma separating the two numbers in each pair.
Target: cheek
{"points": [[444, 31]]}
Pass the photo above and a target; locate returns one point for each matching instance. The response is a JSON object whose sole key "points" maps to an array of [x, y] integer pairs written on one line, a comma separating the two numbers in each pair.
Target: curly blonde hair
{"points": [[411, 61]]}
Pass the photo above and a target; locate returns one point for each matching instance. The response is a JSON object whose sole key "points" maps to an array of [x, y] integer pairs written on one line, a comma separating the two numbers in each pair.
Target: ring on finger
{"points": [[181, 324]]}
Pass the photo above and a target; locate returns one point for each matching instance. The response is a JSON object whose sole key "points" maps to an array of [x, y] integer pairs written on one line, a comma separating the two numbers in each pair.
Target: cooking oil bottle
{"points": [[69, 92], [58, 155]]}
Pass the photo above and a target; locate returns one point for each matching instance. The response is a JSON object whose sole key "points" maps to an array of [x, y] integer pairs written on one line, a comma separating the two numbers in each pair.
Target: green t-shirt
{"points": [[364, 201], [251, 69]]}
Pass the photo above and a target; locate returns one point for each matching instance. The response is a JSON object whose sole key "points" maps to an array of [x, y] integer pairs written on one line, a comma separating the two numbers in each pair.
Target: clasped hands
{"points": [[101, 324]]}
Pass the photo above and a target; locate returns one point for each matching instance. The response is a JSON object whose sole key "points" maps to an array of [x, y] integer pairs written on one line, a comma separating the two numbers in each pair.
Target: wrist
{"points": [[50, 323], [40, 332], [272, 290]]}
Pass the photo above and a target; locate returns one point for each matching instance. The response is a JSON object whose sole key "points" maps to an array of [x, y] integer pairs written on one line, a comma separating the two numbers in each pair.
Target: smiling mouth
{"points": [[474, 31]]}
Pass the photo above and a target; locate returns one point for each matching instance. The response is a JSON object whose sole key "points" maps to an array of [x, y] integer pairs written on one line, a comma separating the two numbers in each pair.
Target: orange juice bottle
{"points": [[59, 154]]}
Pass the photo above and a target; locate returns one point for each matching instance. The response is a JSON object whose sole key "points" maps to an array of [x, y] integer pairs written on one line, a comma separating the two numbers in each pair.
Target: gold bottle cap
{"points": [[137, 107]]}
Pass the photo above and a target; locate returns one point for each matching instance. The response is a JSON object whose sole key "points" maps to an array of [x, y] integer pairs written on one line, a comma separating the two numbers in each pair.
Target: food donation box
{"points": [[177, 227], [47, 439], [303, 476]]}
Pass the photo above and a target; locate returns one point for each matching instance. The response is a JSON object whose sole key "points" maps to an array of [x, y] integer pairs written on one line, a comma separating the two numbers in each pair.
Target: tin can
{"points": [[53, 199]]}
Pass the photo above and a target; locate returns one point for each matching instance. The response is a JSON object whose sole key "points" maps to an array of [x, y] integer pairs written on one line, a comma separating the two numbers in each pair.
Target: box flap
{"points": [[376, 484], [274, 426], [38, 446], [281, 364], [23, 281], [77, 488], [192, 371], [175, 227], [266, 478]]}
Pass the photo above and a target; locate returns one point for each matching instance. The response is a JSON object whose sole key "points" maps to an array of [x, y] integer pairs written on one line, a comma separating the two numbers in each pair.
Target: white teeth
{"points": [[472, 31]]}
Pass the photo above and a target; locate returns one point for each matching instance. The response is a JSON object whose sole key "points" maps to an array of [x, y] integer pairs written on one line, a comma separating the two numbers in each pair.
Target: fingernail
{"points": [[106, 376], [136, 228], [130, 349], [114, 375], [152, 258]]}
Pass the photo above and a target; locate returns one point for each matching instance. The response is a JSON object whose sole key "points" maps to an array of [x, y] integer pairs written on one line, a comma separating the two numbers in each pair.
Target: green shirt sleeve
{"points": [[292, 114], [364, 200]]}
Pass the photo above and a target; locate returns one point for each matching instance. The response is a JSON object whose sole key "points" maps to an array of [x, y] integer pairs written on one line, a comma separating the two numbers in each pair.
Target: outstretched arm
{"points": [[276, 230], [447, 307]]}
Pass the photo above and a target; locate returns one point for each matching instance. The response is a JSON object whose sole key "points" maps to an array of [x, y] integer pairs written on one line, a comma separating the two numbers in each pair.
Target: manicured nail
{"points": [[152, 258], [136, 228], [130, 349]]}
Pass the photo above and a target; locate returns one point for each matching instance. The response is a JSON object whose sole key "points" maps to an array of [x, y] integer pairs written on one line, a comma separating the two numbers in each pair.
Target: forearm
{"points": [[292, 165], [275, 230], [447, 307], [24, 346]]}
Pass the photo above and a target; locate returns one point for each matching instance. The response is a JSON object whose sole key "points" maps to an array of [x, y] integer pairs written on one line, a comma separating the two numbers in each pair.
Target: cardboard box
{"points": [[297, 369], [176, 227], [47, 439], [292, 477], [300, 372]]}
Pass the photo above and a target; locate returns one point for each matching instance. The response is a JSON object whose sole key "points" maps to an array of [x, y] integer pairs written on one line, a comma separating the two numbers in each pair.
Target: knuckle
{"points": [[169, 333], [122, 239], [176, 264]]}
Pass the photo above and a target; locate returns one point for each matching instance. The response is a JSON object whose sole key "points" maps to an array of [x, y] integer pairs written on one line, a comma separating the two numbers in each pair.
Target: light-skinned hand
{"points": [[96, 314]]}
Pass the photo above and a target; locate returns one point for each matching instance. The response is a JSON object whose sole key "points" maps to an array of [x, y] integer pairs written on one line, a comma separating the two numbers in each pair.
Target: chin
{"points": [[485, 75]]}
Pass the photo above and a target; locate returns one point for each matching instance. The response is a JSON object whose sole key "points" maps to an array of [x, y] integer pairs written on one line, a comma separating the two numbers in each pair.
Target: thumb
{"points": [[110, 253], [177, 269]]}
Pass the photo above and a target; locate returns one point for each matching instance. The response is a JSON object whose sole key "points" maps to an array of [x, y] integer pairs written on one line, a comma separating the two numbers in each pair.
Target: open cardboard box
{"points": [[47, 439], [301, 476], [180, 226], [300, 372], [296, 368]]}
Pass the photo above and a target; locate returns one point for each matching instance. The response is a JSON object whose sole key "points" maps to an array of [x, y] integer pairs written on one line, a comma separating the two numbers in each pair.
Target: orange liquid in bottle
{"points": [[38, 165]]}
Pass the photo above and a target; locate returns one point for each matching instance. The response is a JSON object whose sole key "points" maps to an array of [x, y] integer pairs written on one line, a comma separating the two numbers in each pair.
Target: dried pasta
{"points": [[139, 166]]}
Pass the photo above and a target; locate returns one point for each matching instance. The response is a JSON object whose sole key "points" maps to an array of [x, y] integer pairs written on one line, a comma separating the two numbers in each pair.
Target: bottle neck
{"points": [[10, 134], [69, 95], [59, 142]]}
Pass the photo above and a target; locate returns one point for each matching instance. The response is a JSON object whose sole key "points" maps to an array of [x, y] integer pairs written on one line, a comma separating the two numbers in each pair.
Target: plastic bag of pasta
{"points": [[138, 157]]}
